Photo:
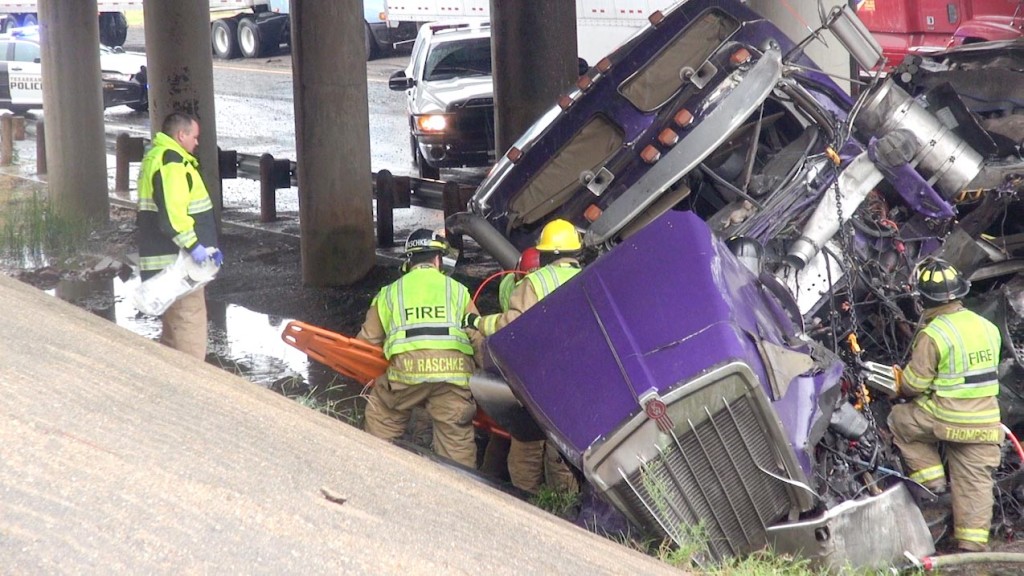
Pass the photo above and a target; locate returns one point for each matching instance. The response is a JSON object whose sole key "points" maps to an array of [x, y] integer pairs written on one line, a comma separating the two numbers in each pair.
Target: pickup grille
{"points": [[710, 476], [476, 125]]}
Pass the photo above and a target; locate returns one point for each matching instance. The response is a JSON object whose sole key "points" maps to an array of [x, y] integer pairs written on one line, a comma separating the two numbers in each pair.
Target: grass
{"points": [[324, 400], [561, 503], [32, 232]]}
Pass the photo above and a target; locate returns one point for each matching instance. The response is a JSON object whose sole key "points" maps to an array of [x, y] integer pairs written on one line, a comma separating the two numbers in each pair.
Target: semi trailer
{"points": [[113, 24], [262, 27]]}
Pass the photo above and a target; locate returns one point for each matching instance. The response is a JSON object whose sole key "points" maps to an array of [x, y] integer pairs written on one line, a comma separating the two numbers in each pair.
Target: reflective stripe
{"points": [[147, 204], [200, 205], [979, 535], [929, 474], [914, 381], [546, 279], [148, 263], [956, 416], [968, 348], [186, 239], [423, 310], [456, 378]]}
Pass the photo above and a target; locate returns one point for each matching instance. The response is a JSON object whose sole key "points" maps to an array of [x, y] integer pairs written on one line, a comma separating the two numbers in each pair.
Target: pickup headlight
{"points": [[116, 77], [431, 123]]}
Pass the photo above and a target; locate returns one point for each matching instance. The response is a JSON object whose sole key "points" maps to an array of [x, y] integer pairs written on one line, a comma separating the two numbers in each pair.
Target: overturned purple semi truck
{"points": [[743, 216]]}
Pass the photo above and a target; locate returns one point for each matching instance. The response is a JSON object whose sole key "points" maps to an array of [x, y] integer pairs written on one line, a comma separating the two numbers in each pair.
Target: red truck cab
{"points": [[907, 26]]}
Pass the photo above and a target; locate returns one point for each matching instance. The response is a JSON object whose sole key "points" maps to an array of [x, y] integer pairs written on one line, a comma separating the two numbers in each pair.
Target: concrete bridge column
{"points": [[73, 101], [332, 140], [535, 60], [180, 75]]}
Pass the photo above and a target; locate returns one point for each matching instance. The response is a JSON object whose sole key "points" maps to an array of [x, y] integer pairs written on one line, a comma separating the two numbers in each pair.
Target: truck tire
{"points": [[224, 38], [372, 49], [8, 23], [113, 29], [250, 40], [426, 170], [29, 20]]}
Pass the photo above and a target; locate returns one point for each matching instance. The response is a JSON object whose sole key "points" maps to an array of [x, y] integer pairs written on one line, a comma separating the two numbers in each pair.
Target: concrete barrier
{"points": [[123, 456]]}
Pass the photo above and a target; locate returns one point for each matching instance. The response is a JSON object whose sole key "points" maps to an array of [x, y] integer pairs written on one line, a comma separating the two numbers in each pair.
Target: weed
{"points": [[325, 401], [33, 232], [561, 503]]}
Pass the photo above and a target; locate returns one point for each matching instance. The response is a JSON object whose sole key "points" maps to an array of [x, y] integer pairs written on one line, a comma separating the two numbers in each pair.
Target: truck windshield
{"points": [[446, 60]]}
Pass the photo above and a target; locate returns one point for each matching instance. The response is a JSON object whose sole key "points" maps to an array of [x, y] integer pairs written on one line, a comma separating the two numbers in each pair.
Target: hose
{"points": [[930, 563], [489, 279], [1014, 441]]}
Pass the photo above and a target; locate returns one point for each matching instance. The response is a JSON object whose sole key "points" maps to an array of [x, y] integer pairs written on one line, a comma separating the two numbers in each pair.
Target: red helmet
{"points": [[529, 260]]}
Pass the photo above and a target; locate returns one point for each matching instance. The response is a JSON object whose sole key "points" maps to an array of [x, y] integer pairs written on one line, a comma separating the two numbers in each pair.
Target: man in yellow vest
{"points": [[175, 213], [953, 382], [418, 319], [533, 463]]}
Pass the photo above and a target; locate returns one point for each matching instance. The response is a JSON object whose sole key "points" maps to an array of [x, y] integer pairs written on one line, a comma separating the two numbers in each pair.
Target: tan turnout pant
{"points": [[970, 469], [532, 464], [451, 408], [184, 325]]}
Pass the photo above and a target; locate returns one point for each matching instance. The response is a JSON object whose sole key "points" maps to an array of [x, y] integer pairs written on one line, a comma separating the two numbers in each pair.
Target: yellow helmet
{"points": [[559, 236]]}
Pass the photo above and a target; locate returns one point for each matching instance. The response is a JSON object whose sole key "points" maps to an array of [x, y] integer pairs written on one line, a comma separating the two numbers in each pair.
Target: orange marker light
{"points": [[683, 118], [650, 154]]}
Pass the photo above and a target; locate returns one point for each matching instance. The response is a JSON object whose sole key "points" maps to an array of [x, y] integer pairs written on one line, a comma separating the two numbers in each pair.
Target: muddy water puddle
{"points": [[241, 341]]}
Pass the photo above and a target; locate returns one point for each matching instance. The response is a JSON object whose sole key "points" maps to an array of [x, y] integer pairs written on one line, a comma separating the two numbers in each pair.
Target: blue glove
{"points": [[198, 253], [218, 257]]}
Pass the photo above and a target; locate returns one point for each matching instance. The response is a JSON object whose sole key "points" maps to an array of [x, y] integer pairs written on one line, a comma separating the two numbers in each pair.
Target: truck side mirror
{"points": [[399, 81]]}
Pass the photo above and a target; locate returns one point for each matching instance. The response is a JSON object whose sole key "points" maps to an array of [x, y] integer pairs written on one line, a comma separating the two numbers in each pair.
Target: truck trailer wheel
{"points": [[224, 38], [113, 29], [250, 41]]}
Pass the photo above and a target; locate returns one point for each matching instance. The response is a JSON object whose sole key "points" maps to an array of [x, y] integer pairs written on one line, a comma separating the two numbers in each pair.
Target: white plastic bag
{"points": [[155, 296]]}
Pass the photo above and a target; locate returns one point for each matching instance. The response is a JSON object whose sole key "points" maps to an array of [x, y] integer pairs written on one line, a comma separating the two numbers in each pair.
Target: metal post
{"points": [[40, 147], [6, 140], [385, 191], [451, 201], [19, 128], [121, 164], [268, 191]]}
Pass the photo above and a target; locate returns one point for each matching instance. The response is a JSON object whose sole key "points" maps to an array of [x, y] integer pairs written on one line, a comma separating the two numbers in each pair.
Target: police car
{"points": [[21, 74]]}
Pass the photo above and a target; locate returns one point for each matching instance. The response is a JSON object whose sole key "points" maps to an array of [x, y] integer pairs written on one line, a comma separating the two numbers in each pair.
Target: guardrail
{"points": [[391, 192]]}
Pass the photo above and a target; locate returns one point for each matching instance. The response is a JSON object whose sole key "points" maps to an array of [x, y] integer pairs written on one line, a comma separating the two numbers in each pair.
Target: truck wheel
{"points": [[223, 37], [8, 23], [369, 43], [426, 170], [249, 40], [113, 29], [29, 20]]}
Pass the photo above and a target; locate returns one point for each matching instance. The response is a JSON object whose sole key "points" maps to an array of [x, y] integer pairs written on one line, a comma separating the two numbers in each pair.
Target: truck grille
{"points": [[709, 476], [476, 125]]}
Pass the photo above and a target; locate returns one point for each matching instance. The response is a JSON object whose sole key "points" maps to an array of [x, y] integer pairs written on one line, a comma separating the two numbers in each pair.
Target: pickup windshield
{"points": [[448, 60]]}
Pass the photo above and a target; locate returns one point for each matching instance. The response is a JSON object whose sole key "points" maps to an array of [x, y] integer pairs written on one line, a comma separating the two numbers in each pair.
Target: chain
{"points": [[847, 250]]}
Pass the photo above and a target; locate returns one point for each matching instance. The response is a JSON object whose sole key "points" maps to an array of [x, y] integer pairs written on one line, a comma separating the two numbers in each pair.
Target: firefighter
{"points": [[418, 318], [532, 463], [952, 380], [175, 213]]}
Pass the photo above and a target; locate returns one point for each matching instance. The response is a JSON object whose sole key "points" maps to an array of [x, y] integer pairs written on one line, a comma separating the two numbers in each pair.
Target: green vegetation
{"points": [[33, 233], [561, 503], [326, 401]]}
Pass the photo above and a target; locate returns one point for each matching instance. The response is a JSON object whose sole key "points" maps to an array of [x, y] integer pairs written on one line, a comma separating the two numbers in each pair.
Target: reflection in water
{"points": [[238, 337], [241, 341]]}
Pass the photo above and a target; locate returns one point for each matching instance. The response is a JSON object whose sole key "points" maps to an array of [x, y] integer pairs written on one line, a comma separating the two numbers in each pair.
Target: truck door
{"points": [[26, 74], [940, 17]]}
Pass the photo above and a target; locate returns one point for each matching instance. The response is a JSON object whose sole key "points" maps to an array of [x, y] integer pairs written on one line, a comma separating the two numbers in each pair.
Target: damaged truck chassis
{"points": [[743, 217]]}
